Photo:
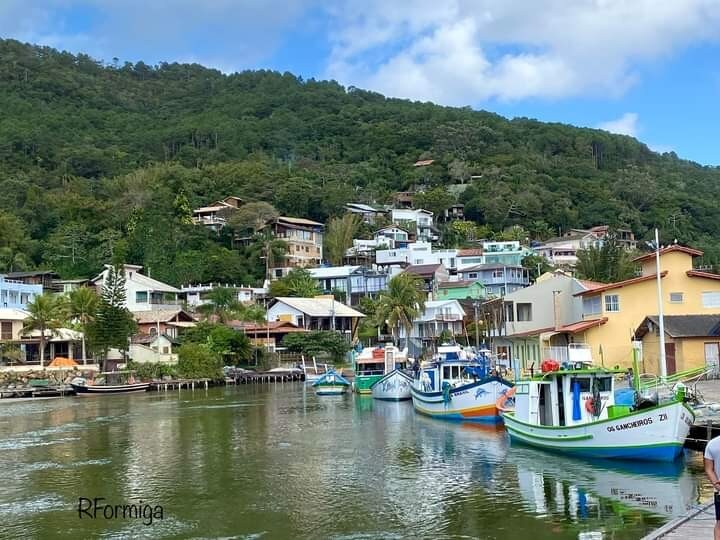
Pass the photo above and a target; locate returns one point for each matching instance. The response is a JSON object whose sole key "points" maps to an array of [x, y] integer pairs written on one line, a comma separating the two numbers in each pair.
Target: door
{"points": [[712, 356], [670, 358]]}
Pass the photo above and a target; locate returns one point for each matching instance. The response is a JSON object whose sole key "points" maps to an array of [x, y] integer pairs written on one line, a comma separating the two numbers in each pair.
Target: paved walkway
{"points": [[696, 524]]}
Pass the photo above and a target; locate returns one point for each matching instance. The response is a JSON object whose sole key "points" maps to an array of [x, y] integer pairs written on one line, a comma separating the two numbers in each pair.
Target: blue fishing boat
{"points": [[331, 384]]}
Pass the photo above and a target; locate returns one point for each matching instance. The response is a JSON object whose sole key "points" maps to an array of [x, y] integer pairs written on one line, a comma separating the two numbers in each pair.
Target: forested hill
{"points": [[99, 159]]}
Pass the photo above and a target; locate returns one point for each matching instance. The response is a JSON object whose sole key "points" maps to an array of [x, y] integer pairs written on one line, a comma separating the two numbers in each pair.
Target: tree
{"points": [[222, 304], [318, 343], [537, 265], [198, 361], [400, 304], [252, 216], [339, 235], [437, 200], [298, 282], [46, 313], [114, 324], [607, 264], [226, 342], [83, 306]]}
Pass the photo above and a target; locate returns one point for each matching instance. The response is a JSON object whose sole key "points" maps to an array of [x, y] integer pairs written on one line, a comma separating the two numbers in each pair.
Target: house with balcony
{"points": [[197, 295], [169, 322], [355, 282], [498, 279], [420, 220], [392, 237], [267, 335], [304, 239], [142, 293], [45, 278], [561, 251], [438, 317], [319, 313], [16, 294], [431, 274], [214, 216], [509, 253], [468, 257], [417, 253]]}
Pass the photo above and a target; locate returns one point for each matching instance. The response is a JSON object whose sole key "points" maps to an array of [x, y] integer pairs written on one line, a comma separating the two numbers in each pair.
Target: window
{"points": [[141, 297], [583, 383], [711, 299], [591, 305], [472, 275], [418, 261], [473, 260], [6, 330], [497, 273], [524, 312], [676, 298], [612, 302], [509, 312]]}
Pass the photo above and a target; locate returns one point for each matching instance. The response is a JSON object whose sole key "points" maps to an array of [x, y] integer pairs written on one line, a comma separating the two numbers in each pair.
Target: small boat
{"points": [[103, 386], [395, 386], [458, 385], [571, 409], [331, 384], [375, 364]]}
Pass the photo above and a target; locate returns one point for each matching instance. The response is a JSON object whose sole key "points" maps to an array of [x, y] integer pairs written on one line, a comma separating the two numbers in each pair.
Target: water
{"points": [[279, 462]]}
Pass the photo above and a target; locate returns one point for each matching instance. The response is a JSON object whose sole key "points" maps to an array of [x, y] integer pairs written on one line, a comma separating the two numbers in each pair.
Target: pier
{"points": [[697, 523], [251, 377]]}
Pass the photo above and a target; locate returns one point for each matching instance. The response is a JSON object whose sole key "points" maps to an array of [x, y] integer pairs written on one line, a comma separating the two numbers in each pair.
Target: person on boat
{"points": [[712, 470], [629, 377]]}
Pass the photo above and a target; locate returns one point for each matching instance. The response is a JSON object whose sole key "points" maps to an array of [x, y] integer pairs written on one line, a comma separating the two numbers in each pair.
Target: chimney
{"points": [[556, 310]]}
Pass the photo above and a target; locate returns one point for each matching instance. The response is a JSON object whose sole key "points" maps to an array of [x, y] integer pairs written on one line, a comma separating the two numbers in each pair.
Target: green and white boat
{"points": [[331, 384], [572, 410], [374, 363]]}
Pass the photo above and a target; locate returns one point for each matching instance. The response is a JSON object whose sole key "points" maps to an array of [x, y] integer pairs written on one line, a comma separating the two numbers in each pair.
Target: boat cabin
{"points": [[566, 398], [380, 360], [453, 365]]}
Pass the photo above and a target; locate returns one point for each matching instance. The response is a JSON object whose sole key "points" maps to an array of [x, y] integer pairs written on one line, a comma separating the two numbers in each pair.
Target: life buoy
{"points": [[589, 405], [502, 402], [592, 405]]}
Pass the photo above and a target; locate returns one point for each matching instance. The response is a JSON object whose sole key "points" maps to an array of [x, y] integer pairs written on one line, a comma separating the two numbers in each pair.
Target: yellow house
{"points": [[619, 308], [691, 341]]}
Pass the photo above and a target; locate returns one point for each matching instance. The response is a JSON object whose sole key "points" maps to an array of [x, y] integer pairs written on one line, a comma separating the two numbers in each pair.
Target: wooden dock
{"points": [[267, 377], [697, 523]]}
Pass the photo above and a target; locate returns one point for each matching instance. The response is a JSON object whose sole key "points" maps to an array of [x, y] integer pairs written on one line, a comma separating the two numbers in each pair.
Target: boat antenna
{"points": [[661, 320]]}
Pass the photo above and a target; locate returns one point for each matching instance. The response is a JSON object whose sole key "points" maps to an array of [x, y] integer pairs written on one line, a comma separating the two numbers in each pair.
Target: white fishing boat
{"points": [[457, 385], [110, 382], [395, 386], [572, 410], [382, 372]]}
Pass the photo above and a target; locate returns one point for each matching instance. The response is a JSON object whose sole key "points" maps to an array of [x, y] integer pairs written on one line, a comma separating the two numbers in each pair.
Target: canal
{"points": [[277, 461]]}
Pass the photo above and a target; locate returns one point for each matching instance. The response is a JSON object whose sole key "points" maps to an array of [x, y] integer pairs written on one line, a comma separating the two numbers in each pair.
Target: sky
{"points": [[645, 68]]}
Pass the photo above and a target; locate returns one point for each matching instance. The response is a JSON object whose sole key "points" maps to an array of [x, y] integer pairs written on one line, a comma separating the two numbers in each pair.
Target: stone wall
{"points": [[55, 376]]}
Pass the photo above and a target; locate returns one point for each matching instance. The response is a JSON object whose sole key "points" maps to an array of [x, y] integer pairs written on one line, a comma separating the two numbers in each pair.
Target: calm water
{"points": [[279, 462]]}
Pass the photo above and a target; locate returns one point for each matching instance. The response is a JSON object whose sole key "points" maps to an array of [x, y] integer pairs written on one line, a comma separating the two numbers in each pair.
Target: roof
{"points": [[670, 249], [680, 326], [211, 208], [298, 221], [33, 273], [423, 162], [698, 273], [618, 284], [581, 326], [272, 327], [61, 334], [12, 314], [423, 269], [532, 332], [590, 285], [160, 315], [363, 207], [318, 307], [469, 252], [459, 284], [146, 339], [391, 227], [332, 271], [492, 266], [137, 277]]}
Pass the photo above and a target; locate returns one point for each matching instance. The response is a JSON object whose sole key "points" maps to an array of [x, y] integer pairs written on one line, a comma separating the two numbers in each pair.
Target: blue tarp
{"points": [[625, 396]]}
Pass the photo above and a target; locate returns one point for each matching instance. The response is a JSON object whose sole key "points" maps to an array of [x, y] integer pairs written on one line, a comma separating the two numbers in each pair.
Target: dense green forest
{"points": [[102, 161]]}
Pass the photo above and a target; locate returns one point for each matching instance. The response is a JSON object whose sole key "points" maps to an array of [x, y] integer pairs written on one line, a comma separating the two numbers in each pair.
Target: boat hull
{"points": [[363, 383], [330, 389], [655, 434], [474, 402], [85, 391], [395, 386]]}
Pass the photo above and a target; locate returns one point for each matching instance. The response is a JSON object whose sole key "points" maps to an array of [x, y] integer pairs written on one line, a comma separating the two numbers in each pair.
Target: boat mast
{"points": [[661, 320]]}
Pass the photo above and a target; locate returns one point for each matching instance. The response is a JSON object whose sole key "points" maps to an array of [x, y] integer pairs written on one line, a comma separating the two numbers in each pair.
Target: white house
{"points": [[562, 251], [143, 293], [196, 295], [417, 253], [319, 313], [438, 316], [153, 349], [422, 219]]}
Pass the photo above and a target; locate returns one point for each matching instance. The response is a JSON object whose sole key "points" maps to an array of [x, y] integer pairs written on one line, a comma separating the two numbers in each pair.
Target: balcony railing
{"points": [[574, 352]]}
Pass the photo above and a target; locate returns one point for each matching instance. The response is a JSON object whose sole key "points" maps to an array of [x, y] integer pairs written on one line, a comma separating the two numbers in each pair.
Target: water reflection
{"points": [[280, 461]]}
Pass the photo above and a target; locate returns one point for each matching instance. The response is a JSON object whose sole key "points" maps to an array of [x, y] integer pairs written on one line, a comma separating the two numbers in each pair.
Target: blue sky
{"points": [[640, 67]]}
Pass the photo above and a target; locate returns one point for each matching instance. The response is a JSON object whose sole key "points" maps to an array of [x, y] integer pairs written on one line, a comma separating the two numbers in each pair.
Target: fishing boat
{"points": [[458, 385], [331, 384], [571, 409], [396, 381], [109, 382]]}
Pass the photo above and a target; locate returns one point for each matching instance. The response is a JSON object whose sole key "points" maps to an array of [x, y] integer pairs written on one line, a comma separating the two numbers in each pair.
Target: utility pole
{"points": [[661, 320], [477, 329]]}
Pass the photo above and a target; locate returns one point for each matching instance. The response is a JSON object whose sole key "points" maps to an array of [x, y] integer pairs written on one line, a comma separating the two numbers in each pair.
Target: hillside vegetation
{"points": [[103, 160]]}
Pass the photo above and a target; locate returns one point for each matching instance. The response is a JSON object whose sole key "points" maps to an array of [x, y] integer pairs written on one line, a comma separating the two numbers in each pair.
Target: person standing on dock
{"points": [[712, 470]]}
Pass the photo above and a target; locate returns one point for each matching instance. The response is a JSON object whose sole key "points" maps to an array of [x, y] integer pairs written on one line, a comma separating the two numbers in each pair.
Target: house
{"points": [[392, 237], [44, 278], [214, 216], [623, 237], [403, 199], [168, 322], [614, 311], [420, 220], [455, 212], [304, 239], [367, 213], [562, 251], [197, 295], [142, 293], [268, 335], [355, 281], [499, 279], [319, 313], [363, 250], [431, 274], [692, 341], [438, 316], [153, 349], [62, 342], [17, 294], [460, 290], [467, 257], [509, 253], [66, 286], [416, 253], [11, 323]]}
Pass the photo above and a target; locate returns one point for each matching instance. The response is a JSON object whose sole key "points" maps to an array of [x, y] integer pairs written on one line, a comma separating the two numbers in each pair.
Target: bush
{"points": [[199, 362], [317, 343], [149, 372]]}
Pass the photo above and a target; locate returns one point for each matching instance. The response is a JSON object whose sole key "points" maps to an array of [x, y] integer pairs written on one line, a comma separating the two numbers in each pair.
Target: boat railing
{"points": [[370, 372]]}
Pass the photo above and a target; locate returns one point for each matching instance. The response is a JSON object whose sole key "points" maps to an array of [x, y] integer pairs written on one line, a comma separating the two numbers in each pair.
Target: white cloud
{"points": [[627, 124], [466, 51]]}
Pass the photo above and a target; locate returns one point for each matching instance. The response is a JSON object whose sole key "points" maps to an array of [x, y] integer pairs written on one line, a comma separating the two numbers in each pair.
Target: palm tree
{"points": [[45, 312], [83, 306], [339, 236], [400, 304], [222, 303]]}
